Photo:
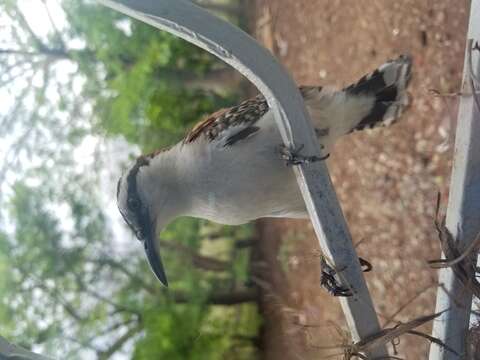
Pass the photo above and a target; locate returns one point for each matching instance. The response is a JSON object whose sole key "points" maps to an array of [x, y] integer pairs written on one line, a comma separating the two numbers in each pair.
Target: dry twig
{"points": [[389, 335], [385, 336], [473, 78], [391, 318], [438, 93], [461, 262]]}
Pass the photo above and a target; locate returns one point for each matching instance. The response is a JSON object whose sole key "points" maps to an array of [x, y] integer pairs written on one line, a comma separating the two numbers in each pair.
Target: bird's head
{"points": [[138, 204]]}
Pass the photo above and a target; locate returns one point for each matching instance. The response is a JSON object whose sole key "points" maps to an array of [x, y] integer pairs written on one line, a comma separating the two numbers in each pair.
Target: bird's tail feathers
{"points": [[388, 85]]}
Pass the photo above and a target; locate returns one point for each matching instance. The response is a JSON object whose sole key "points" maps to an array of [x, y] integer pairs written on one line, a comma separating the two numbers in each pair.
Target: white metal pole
{"points": [[238, 49], [463, 212]]}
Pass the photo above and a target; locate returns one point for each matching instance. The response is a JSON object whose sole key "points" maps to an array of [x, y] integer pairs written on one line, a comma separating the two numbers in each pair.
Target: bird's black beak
{"points": [[153, 256]]}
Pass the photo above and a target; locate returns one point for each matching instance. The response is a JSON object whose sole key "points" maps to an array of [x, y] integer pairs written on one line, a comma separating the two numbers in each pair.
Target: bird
{"points": [[231, 168]]}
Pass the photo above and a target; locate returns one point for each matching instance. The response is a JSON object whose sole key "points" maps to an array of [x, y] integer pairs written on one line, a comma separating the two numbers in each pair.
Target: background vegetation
{"points": [[83, 92]]}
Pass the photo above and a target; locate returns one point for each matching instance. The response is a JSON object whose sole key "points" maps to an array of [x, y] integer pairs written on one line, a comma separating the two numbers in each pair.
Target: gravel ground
{"points": [[386, 179]]}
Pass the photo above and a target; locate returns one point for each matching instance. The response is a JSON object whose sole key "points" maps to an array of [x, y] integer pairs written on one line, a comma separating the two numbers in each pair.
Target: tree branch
{"points": [[118, 308], [54, 294], [55, 53], [23, 138], [58, 34], [38, 44], [8, 80], [117, 345], [106, 260], [6, 123], [107, 330], [6, 68], [116, 326], [200, 261], [83, 343]]}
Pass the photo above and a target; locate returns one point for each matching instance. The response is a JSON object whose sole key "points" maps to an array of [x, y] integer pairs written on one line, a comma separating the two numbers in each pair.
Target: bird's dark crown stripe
{"points": [[118, 186], [134, 202]]}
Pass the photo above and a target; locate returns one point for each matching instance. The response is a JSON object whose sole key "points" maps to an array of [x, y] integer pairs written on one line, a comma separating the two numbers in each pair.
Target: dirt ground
{"points": [[386, 179]]}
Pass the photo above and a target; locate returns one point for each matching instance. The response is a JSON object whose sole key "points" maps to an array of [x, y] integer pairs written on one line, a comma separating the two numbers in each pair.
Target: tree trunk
{"points": [[220, 81], [227, 298], [243, 244], [226, 9], [199, 261]]}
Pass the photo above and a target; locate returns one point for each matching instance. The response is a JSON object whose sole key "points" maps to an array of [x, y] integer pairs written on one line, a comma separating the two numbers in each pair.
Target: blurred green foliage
{"points": [[75, 287], [140, 91], [67, 284]]}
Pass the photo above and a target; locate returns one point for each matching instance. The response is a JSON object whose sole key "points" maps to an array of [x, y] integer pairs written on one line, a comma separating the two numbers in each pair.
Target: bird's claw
{"points": [[366, 266], [292, 156], [329, 283]]}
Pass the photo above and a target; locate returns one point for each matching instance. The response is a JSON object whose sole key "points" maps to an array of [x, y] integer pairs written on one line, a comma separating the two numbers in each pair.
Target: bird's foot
{"points": [[366, 266], [330, 283], [292, 156]]}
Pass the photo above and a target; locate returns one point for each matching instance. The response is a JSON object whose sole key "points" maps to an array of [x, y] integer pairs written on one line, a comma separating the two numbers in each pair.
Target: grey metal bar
{"points": [[463, 212], [10, 351], [236, 48]]}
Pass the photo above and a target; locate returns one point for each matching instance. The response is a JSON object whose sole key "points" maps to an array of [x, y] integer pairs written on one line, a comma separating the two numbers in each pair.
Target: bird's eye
{"points": [[133, 203], [139, 235]]}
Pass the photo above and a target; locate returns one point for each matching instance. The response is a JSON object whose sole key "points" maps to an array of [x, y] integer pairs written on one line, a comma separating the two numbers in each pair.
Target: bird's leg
{"points": [[292, 156], [329, 283]]}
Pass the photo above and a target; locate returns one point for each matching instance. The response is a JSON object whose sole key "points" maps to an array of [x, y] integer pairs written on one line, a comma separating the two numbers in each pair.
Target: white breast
{"points": [[246, 181]]}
